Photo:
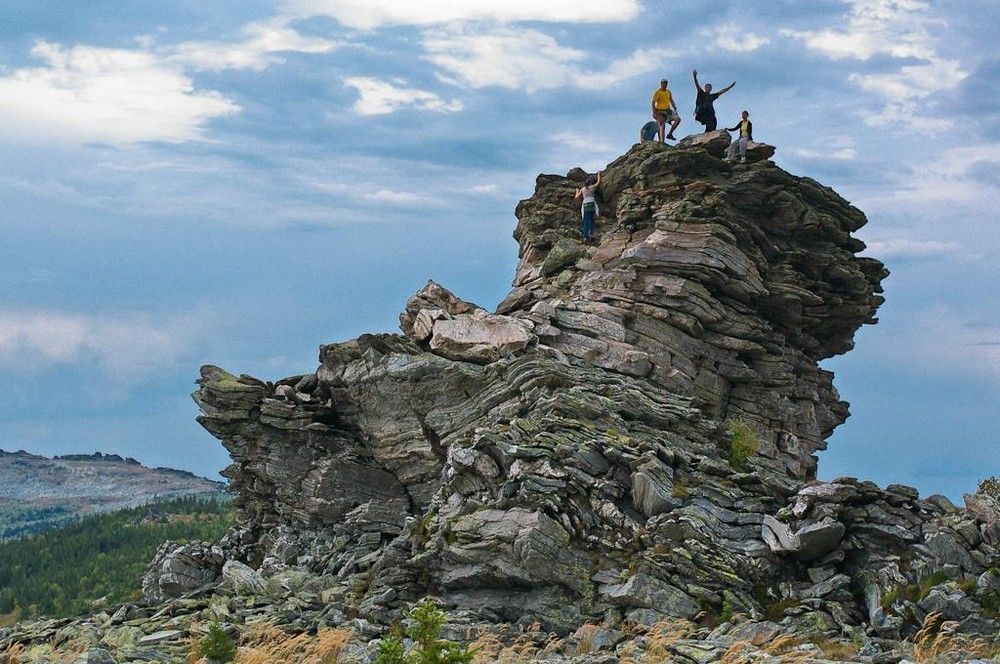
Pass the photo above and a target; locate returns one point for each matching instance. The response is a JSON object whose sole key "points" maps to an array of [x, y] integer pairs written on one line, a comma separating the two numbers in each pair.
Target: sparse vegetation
{"points": [[426, 620], [913, 592], [680, 490], [267, 644], [743, 443], [990, 486], [938, 637], [217, 645]]}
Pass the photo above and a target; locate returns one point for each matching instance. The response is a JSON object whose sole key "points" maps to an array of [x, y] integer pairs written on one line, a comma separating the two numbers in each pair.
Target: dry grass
{"points": [[266, 644], [937, 637], [737, 653], [586, 634], [838, 650], [13, 654], [527, 647], [664, 634]]}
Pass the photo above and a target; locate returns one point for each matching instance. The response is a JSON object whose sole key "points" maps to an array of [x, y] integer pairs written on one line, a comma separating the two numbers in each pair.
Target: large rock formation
{"points": [[631, 436], [570, 452]]}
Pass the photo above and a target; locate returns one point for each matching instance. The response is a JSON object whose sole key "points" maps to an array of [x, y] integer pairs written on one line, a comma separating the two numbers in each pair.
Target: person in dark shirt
{"points": [[704, 109], [745, 127]]}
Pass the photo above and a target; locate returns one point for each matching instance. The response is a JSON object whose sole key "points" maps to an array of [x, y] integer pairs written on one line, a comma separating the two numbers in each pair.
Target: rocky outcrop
{"points": [[629, 437]]}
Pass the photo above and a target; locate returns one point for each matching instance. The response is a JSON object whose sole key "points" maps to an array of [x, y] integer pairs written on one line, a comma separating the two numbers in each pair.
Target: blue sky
{"points": [[238, 182]]}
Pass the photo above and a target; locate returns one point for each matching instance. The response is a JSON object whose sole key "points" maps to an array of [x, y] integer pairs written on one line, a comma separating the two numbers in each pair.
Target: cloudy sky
{"points": [[238, 182]]}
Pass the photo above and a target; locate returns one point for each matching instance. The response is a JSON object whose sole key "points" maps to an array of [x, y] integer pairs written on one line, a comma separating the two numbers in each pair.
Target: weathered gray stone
{"points": [[644, 591], [244, 579], [480, 338], [714, 142]]}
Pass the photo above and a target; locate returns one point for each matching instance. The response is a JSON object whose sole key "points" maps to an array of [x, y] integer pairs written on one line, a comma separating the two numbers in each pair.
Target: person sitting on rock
{"points": [[665, 110], [588, 209], [745, 127], [648, 132], [704, 105]]}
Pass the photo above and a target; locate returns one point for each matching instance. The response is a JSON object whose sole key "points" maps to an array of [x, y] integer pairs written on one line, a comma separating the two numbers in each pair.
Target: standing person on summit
{"points": [[704, 109], [745, 127], [588, 209], [665, 110]]}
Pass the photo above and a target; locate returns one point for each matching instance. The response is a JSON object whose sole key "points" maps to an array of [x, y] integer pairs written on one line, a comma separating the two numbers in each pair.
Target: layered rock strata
{"points": [[629, 437]]}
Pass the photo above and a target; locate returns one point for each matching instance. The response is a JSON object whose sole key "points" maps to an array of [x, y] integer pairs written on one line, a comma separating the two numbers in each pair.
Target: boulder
{"points": [[177, 569], [759, 151], [564, 252], [244, 579], [715, 142], [648, 592], [810, 542], [429, 304], [480, 338]]}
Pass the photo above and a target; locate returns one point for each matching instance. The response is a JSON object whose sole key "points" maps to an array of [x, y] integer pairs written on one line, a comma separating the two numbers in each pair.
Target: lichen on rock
{"points": [[565, 459]]}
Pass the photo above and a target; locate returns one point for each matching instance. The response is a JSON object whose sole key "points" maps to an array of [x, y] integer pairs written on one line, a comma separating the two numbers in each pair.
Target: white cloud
{"points": [[581, 142], [378, 97], [260, 48], [371, 14], [732, 37], [949, 178], [401, 198], [892, 27], [907, 90], [123, 346], [900, 29], [840, 148], [907, 248], [88, 94], [525, 58]]}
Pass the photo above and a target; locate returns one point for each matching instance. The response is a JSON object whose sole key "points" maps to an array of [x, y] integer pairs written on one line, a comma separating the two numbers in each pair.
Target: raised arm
{"points": [[598, 178], [727, 88], [697, 86]]}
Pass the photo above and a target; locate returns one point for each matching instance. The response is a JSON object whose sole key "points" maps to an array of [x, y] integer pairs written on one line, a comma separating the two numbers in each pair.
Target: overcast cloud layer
{"points": [[239, 183]]}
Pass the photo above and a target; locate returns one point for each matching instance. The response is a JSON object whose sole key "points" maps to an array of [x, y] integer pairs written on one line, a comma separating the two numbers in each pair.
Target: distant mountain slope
{"points": [[98, 561], [37, 493]]}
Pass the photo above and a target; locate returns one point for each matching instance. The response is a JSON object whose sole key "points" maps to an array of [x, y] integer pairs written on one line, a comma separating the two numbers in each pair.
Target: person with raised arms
{"points": [[704, 108]]}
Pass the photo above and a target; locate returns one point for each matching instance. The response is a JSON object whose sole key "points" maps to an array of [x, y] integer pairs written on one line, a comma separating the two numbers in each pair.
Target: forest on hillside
{"points": [[98, 561]]}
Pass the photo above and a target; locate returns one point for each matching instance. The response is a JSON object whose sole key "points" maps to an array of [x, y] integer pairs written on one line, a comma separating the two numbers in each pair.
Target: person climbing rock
{"points": [[648, 132], [588, 208], [745, 127], [665, 110], [704, 108]]}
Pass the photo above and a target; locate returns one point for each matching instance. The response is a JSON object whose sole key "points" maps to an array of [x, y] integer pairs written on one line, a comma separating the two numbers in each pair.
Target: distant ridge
{"points": [[38, 493]]}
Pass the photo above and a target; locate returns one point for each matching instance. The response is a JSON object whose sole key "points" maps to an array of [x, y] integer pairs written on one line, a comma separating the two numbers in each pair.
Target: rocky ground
{"points": [[616, 465], [38, 493]]}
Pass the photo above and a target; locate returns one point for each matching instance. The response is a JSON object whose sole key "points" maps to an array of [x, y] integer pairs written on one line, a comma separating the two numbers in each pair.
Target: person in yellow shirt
{"points": [[665, 110]]}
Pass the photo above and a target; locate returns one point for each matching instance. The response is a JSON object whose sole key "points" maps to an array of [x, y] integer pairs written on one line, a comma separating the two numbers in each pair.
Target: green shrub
{"points": [[428, 647], [743, 443], [217, 645], [990, 486], [913, 592], [727, 611]]}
